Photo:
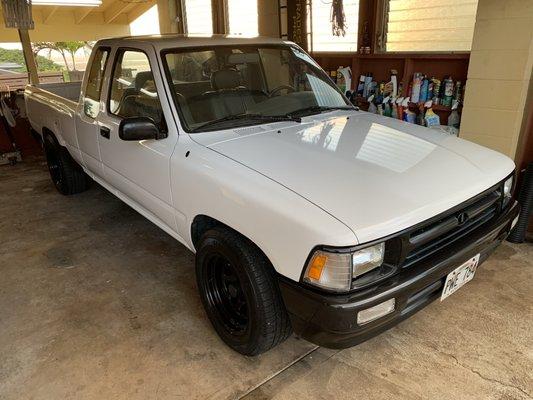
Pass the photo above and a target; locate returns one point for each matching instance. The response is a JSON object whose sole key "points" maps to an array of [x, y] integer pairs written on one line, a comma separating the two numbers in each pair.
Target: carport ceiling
{"points": [[59, 23]]}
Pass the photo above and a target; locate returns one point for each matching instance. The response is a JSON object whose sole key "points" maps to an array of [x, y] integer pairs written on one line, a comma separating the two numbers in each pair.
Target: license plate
{"points": [[459, 276]]}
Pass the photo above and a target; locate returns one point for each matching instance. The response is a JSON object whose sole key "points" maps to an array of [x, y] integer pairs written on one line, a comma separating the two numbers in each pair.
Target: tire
{"points": [[240, 292], [66, 174]]}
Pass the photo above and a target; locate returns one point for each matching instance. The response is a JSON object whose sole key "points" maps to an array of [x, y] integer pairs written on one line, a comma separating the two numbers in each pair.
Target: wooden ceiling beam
{"points": [[112, 12], [80, 15], [47, 13]]}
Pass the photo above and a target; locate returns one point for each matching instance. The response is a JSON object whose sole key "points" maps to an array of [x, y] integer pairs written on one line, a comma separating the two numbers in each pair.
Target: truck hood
{"points": [[375, 174]]}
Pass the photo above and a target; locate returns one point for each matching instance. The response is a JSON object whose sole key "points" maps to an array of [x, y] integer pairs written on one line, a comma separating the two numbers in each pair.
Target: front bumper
{"points": [[329, 320]]}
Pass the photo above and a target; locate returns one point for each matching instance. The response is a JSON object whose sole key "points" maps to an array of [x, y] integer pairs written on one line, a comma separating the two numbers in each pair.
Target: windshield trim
{"points": [[174, 50]]}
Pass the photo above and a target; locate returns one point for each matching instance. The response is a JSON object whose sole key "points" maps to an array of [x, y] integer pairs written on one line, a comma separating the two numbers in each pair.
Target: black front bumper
{"points": [[330, 320]]}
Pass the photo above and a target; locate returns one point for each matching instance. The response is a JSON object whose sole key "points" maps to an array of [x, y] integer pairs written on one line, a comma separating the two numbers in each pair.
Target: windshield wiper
{"points": [[251, 117], [319, 109]]}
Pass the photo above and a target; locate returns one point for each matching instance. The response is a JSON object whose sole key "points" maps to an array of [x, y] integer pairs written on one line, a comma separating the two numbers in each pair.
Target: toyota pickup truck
{"points": [[305, 213]]}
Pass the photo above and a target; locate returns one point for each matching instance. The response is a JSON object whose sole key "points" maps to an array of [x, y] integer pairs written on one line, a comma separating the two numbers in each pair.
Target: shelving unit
{"points": [[406, 64]]}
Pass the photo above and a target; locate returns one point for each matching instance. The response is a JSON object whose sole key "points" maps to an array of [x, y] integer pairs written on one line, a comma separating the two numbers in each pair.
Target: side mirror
{"points": [[139, 128]]}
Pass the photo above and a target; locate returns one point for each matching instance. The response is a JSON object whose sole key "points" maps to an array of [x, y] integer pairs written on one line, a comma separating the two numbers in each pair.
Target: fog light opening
{"points": [[378, 311]]}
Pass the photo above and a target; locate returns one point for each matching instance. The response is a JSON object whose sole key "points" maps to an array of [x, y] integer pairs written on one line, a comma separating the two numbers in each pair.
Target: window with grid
{"points": [[198, 16], [430, 25], [319, 19], [243, 18]]}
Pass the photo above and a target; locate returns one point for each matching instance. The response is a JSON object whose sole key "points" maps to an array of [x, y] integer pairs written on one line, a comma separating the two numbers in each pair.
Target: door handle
{"points": [[105, 132]]}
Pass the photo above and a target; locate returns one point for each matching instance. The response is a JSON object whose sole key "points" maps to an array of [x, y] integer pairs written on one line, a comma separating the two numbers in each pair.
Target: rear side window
{"points": [[91, 101], [133, 92]]}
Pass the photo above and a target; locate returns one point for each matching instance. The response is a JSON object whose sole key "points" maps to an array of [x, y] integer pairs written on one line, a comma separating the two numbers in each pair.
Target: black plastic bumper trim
{"points": [[330, 320]]}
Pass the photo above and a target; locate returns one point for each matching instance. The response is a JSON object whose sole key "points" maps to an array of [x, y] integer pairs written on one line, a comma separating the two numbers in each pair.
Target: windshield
{"points": [[226, 86]]}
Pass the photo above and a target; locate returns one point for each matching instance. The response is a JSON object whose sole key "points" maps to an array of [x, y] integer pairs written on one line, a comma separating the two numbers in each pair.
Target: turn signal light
{"points": [[316, 266]]}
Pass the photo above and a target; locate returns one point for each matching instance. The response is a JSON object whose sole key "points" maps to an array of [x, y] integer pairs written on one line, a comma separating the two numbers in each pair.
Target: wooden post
{"points": [[219, 10], [171, 18], [28, 56]]}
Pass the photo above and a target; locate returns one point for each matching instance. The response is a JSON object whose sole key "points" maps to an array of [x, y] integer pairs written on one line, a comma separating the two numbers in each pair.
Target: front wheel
{"points": [[240, 293]]}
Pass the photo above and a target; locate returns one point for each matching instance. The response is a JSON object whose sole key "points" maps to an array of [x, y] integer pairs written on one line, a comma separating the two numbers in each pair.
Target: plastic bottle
{"points": [[448, 92], [454, 119], [366, 88], [430, 89], [417, 82], [436, 91], [341, 82], [387, 111], [424, 90], [361, 85], [394, 110], [457, 91]]}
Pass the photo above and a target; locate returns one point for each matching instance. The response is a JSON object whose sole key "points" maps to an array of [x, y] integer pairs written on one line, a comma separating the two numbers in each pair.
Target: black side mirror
{"points": [[139, 128]]}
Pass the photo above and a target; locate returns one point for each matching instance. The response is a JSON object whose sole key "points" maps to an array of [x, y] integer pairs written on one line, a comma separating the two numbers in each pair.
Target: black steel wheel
{"points": [[68, 177], [225, 294], [240, 292]]}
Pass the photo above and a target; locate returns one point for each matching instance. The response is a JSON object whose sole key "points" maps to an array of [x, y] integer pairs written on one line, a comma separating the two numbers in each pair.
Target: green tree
{"points": [[16, 56], [63, 48]]}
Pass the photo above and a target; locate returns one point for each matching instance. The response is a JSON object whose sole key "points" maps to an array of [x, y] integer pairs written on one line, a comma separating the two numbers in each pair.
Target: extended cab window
{"points": [[133, 92], [91, 100]]}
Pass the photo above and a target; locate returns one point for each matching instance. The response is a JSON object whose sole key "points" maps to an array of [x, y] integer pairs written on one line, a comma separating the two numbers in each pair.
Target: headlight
{"points": [[367, 259], [335, 270], [507, 190]]}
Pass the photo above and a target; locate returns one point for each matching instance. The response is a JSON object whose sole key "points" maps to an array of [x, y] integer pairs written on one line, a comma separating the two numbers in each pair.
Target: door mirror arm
{"points": [[140, 128]]}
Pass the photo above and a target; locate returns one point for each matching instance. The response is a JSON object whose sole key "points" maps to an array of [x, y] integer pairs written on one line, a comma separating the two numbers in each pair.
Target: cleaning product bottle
{"points": [[394, 110], [454, 119], [436, 91], [417, 82], [424, 90], [448, 92], [431, 119], [372, 109], [430, 90], [387, 111], [394, 82], [400, 89], [368, 82], [458, 91], [341, 83], [361, 85]]}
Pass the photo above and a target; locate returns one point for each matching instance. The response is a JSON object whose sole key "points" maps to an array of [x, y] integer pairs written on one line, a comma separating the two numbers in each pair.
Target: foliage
{"points": [[64, 48], [16, 56]]}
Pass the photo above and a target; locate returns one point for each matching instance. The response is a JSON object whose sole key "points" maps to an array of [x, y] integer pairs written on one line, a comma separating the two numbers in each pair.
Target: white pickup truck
{"points": [[305, 213]]}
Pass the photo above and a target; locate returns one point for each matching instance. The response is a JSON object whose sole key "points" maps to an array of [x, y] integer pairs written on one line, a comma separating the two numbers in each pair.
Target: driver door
{"points": [[139, 170]]}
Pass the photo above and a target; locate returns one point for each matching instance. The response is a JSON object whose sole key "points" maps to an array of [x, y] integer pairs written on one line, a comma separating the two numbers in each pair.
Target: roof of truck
{"points": [[178, 40]]}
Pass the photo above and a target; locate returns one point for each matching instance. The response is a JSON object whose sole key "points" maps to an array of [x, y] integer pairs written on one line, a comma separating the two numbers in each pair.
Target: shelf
{"points": [[419, 56], [415, 106]]}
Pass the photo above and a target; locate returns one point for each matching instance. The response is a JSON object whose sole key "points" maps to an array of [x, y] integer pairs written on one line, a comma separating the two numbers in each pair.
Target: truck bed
{"points": [[68, 90]]}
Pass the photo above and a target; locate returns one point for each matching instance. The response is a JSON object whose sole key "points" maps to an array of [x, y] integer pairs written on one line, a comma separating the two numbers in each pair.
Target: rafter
{"points": [[80, 15], [115, 9], [47, 13]]}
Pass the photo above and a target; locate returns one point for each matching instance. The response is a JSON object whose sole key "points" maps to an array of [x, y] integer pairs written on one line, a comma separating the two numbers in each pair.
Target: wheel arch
{"points": [[49, 132], [202, 223]]}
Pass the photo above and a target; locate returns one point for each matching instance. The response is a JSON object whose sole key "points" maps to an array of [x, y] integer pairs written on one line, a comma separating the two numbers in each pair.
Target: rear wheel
{"points": [[240, 293], [67, 175]]}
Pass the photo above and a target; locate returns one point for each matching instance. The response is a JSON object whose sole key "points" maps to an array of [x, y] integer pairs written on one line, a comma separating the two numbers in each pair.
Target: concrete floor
{"points": [[98, 303]]}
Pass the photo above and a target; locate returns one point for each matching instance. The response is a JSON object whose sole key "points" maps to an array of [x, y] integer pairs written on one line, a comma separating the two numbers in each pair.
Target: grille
{"points": [[437, 235]]}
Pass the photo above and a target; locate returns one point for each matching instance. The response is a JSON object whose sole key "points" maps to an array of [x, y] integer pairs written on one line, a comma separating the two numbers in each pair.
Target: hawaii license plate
{"points": [[459, 276]]}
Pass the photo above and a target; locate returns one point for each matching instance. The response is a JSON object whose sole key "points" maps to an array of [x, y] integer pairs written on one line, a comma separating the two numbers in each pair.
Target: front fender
{"points": [[284, 225]]}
